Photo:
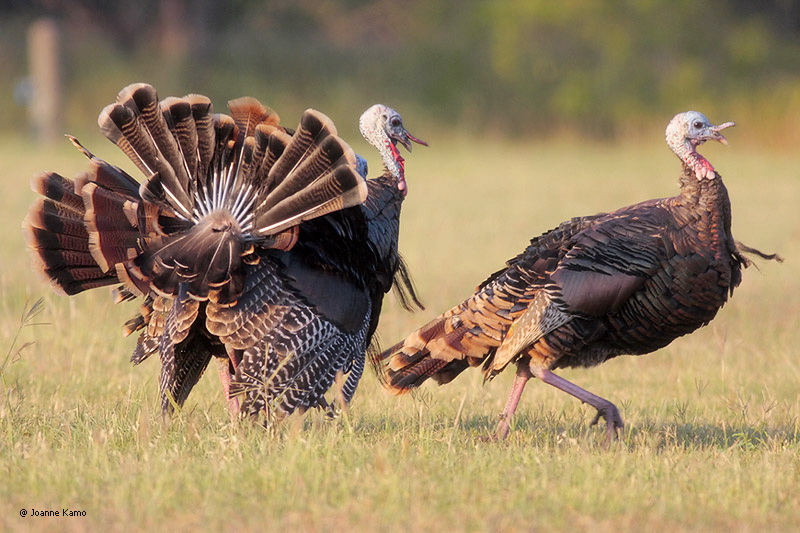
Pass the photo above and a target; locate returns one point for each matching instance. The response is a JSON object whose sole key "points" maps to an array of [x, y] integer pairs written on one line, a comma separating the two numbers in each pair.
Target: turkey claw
{"points": [[614, 422]]}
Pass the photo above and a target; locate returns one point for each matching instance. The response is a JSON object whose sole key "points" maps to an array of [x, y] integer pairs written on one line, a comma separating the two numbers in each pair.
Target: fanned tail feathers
{"points": [[315, 174], [218, 184]]}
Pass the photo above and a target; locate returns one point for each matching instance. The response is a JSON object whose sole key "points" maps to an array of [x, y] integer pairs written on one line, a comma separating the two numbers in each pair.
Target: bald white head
{"points": [[688, 130], [383, 128]]}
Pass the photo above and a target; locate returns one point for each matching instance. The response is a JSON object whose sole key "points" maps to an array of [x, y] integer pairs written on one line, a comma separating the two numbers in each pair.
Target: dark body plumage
{"points": [[331, 287], [627, 282], [247, 243]]}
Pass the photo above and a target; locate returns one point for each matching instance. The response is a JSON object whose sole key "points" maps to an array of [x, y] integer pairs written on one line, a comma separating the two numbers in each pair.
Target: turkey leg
{"points": [[522, 377], [224, 367], [605, 409]]}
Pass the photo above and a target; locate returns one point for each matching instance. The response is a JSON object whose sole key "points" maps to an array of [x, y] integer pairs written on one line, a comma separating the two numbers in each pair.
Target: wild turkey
{"points": [[627, 282], [342, 265], [207, 234]]}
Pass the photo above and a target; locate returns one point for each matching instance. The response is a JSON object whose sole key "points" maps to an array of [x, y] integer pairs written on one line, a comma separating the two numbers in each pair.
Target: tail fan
{"points": [[218, 184]]}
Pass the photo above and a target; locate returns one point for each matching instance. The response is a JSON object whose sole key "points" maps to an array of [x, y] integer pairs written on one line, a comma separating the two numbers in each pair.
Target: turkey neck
{"points": [[393, 167], [707, 206], [390, 178]]}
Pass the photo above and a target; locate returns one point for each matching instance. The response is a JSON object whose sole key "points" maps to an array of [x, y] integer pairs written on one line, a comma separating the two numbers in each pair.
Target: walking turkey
{"points": [[626, 282], [211, 236]]}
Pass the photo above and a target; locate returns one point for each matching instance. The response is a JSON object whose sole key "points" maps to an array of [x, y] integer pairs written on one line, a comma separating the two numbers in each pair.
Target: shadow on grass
{"points": [[699, 435], [558, 428]]}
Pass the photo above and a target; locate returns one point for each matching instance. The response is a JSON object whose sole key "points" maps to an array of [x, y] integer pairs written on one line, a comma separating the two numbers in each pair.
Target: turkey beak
{"points": [[715, 132], [406, 139]]}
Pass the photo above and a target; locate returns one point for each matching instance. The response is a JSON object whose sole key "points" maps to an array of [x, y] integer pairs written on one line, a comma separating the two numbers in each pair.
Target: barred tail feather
{"points": [[248, 114], [441, 350], [136, 124], [313, 129], [112, 233], [57, 238], [59, 189], [183, 127], [315, 174], [335, 191], [402, 368]]}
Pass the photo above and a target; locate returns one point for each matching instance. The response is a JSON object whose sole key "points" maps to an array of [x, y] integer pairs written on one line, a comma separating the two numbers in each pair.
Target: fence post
{"points": [[44, 61]]}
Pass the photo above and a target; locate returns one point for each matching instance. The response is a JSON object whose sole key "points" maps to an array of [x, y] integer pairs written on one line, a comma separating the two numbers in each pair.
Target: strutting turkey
{"points": [[215, 234], [341, 266], [626, 282]]}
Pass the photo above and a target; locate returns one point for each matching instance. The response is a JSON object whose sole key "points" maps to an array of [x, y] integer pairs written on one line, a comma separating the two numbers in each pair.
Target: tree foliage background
{"points": [[515, 68]]}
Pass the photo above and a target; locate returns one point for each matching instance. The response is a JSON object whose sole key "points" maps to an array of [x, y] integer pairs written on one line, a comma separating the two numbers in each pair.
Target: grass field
{"points": [[712, 441]]}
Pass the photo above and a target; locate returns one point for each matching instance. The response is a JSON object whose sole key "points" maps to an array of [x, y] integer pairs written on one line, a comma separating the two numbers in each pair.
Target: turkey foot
{"points": [[614, 422]]}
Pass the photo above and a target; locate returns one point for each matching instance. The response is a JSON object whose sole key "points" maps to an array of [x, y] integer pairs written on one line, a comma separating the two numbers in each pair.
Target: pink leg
{"points": [[235, 356], [605, 409], [224, 370], [522, 377]]}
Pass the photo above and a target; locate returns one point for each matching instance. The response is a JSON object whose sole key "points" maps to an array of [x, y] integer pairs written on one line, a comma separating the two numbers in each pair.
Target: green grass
{"points": [[712, 440]]}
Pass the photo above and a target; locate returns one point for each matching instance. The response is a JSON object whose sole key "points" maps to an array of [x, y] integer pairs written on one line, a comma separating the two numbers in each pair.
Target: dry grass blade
{"points": [[14, 352]]}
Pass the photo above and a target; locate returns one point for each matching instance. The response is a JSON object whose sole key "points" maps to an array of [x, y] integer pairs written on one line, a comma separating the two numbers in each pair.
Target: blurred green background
{"points": [[504, 68]]}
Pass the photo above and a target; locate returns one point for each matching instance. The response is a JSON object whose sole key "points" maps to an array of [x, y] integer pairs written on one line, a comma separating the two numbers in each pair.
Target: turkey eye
{"points": [[698, 125], [395, 122]]}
